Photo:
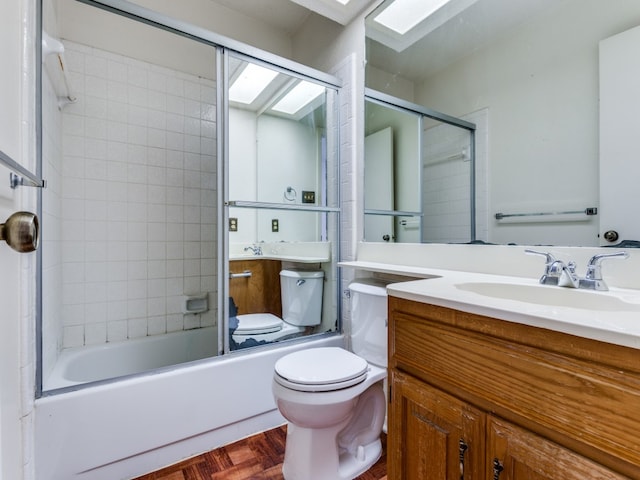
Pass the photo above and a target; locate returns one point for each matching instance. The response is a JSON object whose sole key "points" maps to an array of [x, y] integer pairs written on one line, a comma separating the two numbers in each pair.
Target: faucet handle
{"points": [[594, 268], [549, 258], [550, 277]]}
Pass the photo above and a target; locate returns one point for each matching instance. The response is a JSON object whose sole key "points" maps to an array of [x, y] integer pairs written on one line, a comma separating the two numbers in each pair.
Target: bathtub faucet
{"points": [[256, 249]]}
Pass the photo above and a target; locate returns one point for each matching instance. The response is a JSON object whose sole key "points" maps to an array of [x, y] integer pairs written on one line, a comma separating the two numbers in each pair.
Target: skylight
{"points": [[300, 96], [250, 83], [402, 15]]}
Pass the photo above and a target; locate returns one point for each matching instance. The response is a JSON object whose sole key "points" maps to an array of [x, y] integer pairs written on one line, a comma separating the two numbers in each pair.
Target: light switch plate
{"points": [[308, 196]]}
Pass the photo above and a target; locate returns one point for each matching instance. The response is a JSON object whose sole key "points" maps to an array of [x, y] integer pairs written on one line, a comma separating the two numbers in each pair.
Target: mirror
{"points": [[283, 211], [419, 174], [535, 70]]}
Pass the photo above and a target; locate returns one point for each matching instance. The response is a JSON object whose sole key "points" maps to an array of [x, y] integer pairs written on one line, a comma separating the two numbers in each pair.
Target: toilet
{"points": [[334, 399], [301, 293]]}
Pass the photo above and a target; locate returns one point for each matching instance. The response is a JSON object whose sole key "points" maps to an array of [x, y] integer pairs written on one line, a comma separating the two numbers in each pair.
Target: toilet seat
{"points": [[258, 324], [320, 370]]}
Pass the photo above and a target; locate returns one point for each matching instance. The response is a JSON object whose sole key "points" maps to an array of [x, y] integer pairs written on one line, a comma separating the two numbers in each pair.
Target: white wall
{"points": [[267, 154], [540, 84], [243, 129], [288, 156], [390, 83]]}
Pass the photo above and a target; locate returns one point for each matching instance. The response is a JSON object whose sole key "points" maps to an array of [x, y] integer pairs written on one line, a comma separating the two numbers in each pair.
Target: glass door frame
{"points": [[223, 279], [221, 44]]}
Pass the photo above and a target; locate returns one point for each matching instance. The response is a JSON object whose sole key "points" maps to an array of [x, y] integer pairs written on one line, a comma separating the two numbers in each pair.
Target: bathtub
{"points": [[125, 428], [93, 363]]}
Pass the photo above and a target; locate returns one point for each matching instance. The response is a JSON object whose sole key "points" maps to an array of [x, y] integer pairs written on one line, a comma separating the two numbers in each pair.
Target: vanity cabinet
{"points": [[435, 435], [254, 286], [473, 397]]}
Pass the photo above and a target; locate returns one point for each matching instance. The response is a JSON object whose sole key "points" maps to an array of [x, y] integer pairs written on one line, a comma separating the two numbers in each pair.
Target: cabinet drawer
{"points": [[591, 408]]}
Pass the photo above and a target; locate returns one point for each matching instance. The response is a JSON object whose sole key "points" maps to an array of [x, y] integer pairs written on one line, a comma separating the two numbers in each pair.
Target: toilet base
{"points": [[344, 449], [304, 463], [353, 465]]}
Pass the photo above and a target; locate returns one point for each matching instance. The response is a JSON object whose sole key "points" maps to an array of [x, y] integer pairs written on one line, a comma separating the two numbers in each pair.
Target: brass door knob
{"points": [[21, 231]]}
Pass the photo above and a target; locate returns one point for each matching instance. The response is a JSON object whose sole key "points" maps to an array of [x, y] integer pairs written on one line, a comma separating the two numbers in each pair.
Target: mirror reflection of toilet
{"points": [[301, 293], [334, 399]]}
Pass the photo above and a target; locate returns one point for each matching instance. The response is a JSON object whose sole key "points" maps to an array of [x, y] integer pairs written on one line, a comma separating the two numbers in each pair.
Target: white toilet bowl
{"points": [[264, 328], [335, 405]]}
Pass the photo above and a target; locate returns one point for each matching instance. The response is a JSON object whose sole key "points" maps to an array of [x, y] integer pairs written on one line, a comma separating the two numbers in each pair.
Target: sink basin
{"points": [[552, 296]]}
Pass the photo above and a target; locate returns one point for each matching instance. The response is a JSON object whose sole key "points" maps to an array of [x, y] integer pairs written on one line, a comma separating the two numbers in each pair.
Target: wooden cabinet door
{"points": [[517, 454], [433, 436], [258, 292]]}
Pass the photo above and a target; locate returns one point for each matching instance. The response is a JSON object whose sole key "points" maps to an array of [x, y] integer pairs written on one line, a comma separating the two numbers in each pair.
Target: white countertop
{"points": [[284, 258], [297, 252], [612, 317]]}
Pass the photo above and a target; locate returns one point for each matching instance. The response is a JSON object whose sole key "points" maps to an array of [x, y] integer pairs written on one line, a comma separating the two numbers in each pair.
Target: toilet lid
{"points": [[257, 324], [320, 369]]}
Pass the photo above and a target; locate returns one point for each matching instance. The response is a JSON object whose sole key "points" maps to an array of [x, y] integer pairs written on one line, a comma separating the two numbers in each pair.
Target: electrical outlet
{"points": [[233, 224], [308, 197], [275, 225]]}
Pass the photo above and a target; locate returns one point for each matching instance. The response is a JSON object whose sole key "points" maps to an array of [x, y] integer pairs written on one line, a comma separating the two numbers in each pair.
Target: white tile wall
{"points": [[346, 71], [138, 198], [446, 195], [52, 266]]}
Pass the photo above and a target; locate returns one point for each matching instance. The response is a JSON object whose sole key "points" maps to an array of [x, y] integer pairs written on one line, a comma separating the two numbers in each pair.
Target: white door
{"points": [[619, 132], [378, 185]]}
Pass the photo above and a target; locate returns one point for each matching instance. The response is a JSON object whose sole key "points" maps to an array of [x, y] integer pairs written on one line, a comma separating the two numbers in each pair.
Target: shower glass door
{"points": [[282, 205], [159, 170], [129, 218]]}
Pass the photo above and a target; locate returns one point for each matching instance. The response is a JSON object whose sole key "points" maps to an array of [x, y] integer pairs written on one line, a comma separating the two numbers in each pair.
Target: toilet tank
{"points": [[369, 320], [301, 292]]}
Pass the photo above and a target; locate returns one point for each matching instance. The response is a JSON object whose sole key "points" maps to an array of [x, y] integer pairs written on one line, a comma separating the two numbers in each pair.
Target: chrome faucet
{"points": [[564, 275], [256, 249]]}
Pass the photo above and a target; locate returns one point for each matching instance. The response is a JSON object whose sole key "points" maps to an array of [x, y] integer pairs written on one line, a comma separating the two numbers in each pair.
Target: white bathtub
{"points": [[123, 429], [99, 362]]}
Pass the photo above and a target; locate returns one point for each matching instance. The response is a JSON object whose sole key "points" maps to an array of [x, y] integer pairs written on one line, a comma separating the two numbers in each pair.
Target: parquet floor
{"points": [[255, 458]]}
